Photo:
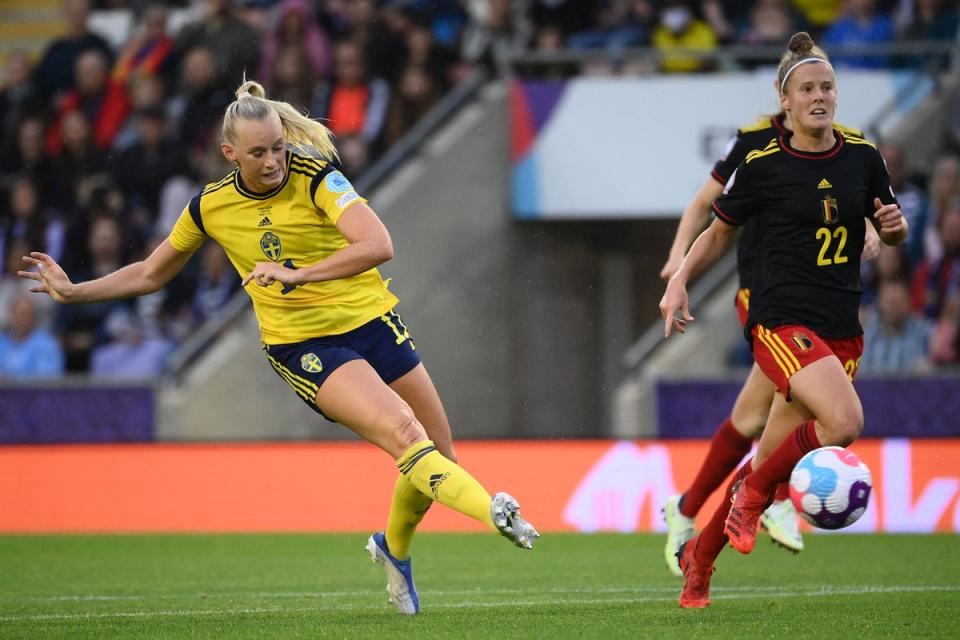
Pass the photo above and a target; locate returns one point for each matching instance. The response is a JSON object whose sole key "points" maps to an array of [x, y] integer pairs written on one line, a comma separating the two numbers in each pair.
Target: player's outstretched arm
{"points": [[692, 222], [135, 279], [890, 223], [369, 246], [704, 252]]}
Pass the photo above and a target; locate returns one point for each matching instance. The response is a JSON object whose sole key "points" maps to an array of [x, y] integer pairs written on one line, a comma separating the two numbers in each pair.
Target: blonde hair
{"points": [[299, 131], [800, 50]]}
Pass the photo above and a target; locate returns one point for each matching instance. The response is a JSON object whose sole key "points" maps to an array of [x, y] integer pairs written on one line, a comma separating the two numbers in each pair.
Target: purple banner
{"points": [[37, 415], [892, 407]]}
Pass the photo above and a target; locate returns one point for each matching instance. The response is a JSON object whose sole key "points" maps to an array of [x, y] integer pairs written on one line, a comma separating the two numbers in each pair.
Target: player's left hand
{"points": [[892, 222], [266, 273]]}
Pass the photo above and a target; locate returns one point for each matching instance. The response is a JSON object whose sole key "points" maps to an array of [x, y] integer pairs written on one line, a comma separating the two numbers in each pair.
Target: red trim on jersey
{"points": [[724, 217], [777, 122], [814, 155], [716, 176]]}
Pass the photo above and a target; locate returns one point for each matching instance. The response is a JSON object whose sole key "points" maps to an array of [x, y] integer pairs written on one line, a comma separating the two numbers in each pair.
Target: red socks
{"points": [[727, 449], [712, 539], [783, 492], [779, 465]]}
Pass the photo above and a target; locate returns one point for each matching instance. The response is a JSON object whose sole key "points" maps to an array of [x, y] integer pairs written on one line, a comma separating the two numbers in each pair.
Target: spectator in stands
{"points": [[945, 342], [568, 16], [936, 281], [82, 327], [620, 24], [860, 25], [27, 156], [679, 28], [142, 170], [423, 51], [149, 52], [381, 41], [770, 24], [130, 353], [216, 283], [27, 220], [896, 340], [818, 14], [18, 98], [78, 166], [101, 100], [415, 95], [715, 15], [198, 107], [354, 104], [26, 349], [292, 81], [925, 20], [232, 43], [913, 201], [295, 28], [943, 196], [891, 264], [54, 74], [498, 29]]}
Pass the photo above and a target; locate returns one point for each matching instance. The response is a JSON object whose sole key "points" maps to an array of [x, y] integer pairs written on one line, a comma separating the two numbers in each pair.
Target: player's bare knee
{"points": [[407, 431], [844, 425]]}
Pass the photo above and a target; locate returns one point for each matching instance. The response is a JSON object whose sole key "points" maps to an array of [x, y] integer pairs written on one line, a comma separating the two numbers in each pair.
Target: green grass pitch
{"points": [[471, 586]]}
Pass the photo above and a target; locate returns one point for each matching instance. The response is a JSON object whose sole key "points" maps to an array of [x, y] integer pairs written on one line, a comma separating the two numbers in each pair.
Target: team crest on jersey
{"points": [[311, 363], [802, 340], [270, 243], [831, 212]]}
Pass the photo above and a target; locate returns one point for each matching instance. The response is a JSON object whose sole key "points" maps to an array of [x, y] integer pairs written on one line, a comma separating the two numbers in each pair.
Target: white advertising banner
{"points": [[641, 147]]}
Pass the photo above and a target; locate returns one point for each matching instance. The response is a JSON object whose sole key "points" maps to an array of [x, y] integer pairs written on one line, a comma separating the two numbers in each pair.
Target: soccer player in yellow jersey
{"points": [[307, 246]]}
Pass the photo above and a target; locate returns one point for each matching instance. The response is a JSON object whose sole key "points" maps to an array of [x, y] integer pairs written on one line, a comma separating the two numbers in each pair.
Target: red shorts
{"points": [[783, 351], [742, 303]]}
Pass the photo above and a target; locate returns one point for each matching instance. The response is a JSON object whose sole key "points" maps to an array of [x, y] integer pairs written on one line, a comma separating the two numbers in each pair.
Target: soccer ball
{"points": [[830, 487]]}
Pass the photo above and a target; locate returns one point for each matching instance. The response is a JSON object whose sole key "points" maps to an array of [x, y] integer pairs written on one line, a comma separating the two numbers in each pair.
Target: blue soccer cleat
{"points": [[402, 592]]}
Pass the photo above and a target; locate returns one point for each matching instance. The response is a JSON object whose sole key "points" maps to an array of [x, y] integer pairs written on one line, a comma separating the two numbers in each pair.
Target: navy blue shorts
{"points": [[383, 342]]}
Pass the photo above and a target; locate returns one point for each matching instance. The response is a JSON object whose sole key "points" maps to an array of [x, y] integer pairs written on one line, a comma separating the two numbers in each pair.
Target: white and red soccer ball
{"points": [[830, 487]]}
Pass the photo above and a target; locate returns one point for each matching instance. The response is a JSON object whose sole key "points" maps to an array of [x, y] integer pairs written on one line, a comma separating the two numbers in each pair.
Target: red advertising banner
{"points": [[562, 486]]}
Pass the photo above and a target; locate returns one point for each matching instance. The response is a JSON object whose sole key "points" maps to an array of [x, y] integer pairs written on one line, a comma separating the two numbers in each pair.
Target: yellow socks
{"points": [[407, 509], [445, 481]]}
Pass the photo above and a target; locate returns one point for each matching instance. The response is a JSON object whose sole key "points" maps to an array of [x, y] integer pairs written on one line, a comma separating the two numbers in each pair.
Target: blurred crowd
{"points": [[105, 136], [669, 26]]}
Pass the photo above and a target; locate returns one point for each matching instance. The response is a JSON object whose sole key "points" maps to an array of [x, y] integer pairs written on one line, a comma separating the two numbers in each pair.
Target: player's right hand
{"points": [[52, 278], [674, 302]]}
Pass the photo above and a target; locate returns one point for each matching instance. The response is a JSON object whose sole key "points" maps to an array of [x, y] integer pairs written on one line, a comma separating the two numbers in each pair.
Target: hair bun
{"points": [[250, 88], [801, 43]]}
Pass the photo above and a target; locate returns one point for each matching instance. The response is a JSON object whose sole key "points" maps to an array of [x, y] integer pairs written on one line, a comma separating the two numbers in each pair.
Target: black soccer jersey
{"points": [[809, 210], [751, 138]]}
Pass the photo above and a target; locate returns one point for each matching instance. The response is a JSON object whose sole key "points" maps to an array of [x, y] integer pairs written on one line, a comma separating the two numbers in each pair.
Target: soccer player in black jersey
{"points": [[734, 437], [809, 193]]}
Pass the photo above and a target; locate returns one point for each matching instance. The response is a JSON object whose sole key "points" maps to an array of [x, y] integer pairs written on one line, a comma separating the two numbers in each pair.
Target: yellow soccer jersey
{"points": [[294, 225]]}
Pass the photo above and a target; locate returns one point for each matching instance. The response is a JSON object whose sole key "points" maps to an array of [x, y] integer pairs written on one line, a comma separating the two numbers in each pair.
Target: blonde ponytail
{"points": [[302, 133]]}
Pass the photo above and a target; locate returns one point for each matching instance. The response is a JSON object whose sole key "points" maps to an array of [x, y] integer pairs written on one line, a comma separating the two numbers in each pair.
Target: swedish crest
{"points": [[270, 243], [310, 363]]}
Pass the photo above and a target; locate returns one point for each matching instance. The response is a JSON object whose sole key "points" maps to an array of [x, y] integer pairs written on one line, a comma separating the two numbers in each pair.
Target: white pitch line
{"points": [[724, 594], [456, 592]]}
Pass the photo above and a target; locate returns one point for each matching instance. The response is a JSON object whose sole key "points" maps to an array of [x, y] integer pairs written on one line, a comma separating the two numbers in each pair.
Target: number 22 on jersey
{"points": [[837, 239]]}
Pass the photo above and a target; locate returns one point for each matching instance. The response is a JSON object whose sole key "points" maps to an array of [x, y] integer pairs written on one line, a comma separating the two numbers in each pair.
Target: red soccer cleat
{"points": [[744, 517], [696, 578]]}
